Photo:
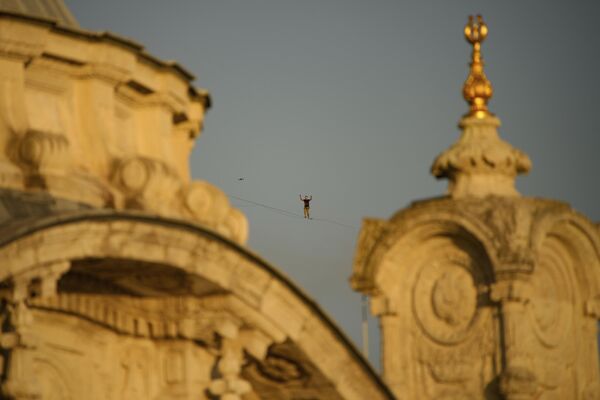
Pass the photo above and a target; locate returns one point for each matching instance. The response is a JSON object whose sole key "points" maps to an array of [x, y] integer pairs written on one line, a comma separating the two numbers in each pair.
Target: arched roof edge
{"points": [[28, 227]]}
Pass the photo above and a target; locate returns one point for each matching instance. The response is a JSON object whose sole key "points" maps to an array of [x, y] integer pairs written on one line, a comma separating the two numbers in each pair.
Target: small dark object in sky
{"points": [[241, 179]]}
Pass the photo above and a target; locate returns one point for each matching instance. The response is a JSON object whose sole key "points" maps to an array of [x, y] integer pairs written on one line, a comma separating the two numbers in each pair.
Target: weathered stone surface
{"points": [[484, 294], [480, 163], [484, 297], [92, 118], [117, 276]]}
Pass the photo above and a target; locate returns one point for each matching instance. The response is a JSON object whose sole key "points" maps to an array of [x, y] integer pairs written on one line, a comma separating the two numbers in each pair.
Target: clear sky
{"points": [[350, 101]]}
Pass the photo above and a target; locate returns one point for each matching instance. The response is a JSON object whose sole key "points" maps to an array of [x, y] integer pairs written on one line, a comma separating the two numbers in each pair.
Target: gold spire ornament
{"points": [[480, 163], [477, 89]]}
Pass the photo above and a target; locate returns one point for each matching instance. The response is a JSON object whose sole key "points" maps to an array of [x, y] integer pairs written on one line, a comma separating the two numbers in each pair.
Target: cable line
{"points": [[292, 214], [266, 206], [334, 222]]}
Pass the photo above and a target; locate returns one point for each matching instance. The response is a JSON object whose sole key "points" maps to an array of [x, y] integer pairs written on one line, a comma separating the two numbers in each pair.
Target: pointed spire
{"points": [[480, 163], [477, 89]]}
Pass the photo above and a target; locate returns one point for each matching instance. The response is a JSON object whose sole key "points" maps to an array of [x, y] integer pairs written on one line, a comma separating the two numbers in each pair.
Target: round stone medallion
{"points": [[445, 301]]}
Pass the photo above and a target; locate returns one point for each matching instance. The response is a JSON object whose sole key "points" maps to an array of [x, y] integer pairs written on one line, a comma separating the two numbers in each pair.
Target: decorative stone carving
{"points": [[445, 299], [47, 163], [551, 305], [500, 284], [210, 206], [18, 345], [207, 203], [151, 185], [147, 184], [229, 385], [18, 339], [534, 277], [141, 317], [135, 374], [454, 297], [281, 369], [236, 226], [480, 163], [44, 152]]}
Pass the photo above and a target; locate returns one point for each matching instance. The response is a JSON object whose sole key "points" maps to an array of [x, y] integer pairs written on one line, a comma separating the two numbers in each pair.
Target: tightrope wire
{"points": [[292, 214]]}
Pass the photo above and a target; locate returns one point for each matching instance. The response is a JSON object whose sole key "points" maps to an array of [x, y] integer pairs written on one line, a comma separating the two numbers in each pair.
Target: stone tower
{"points": [[483, 293]]}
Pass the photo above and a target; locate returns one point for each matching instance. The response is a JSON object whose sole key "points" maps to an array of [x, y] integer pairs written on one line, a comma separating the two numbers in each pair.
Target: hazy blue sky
{"points": [[350, 101]]}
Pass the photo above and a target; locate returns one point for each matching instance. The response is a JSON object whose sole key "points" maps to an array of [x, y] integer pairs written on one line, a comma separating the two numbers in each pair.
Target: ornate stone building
{"points": [[483, 293], [122, 278]]}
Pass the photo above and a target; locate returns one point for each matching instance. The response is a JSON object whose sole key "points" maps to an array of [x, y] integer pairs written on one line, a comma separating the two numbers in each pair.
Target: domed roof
{"points": [[19, 208], [55, 10]]}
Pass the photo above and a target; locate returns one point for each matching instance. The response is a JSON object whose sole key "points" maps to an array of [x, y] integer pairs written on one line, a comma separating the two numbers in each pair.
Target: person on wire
{"points": [[306, 201]]}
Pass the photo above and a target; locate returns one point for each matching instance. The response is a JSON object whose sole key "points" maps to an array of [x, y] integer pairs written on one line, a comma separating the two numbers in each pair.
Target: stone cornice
{"points": [[103, 37]]}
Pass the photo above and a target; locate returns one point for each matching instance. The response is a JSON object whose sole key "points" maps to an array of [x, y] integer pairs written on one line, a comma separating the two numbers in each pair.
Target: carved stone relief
{"points": [[281, 369], [151, 185], [209, 205], [516, 308], [43, 153], [135, 374], [445, 298], [286, 374], [444, 335], [551, 307], [147, 184]]}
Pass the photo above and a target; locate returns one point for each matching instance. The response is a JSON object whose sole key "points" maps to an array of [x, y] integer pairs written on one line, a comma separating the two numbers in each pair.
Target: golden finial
{"points": [[477, 89]]}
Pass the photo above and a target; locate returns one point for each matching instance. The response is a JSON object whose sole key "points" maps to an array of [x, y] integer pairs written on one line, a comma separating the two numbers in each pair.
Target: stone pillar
{"points": [[518, 380], [18, 339], [229, 385], [395, 374]]}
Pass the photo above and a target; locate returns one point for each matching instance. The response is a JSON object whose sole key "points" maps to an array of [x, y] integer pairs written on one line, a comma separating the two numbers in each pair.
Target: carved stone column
{"points": [[229, 385], [18, 339], [518, 381], [18, 345]]}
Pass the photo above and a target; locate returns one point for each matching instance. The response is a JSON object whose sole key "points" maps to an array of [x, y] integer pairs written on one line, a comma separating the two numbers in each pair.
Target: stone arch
{"points": [[430, 274], [404, 234], [565, 299], [581, 241], [195, 252]]}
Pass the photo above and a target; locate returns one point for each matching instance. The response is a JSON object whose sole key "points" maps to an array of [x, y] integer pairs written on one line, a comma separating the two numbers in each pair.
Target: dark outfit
{"points": [[306, 201]]}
